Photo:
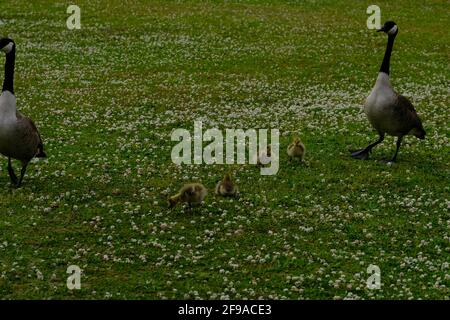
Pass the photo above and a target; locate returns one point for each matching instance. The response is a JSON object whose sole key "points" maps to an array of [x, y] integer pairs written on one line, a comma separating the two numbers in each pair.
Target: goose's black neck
{"points": [[8, 82], [387, 55]]}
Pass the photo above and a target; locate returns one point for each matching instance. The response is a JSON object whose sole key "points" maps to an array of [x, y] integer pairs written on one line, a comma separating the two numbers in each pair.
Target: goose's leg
{"points": [[22, 173], [363, 154], [11, 173], [399, 142]]}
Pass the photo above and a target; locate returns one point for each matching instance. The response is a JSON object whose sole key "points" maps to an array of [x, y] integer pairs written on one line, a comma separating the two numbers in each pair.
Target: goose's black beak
{"points": [[381, 30]]}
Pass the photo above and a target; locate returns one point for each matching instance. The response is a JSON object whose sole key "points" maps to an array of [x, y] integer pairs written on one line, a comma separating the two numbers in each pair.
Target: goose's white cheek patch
{"points": [[8, 47], [393, 30]]}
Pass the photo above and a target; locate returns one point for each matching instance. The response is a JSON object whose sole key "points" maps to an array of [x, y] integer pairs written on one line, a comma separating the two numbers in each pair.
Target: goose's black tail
{"points": [[41, 153]]}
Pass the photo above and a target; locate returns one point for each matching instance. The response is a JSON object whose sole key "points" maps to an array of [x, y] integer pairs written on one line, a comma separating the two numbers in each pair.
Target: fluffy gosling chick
{"points": [[226, 187], [264, 156], [191, 193], [296, 149]]}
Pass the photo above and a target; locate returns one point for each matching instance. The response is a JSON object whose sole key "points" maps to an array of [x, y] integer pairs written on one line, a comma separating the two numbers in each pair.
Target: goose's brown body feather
{"points": [[19, 137], [408, 122], [391, 113], [22, 140]]}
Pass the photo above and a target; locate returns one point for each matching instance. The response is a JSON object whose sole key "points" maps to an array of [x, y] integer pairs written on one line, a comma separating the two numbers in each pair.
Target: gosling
{"points": [[192, 193], [226, 187], [296, 149]]}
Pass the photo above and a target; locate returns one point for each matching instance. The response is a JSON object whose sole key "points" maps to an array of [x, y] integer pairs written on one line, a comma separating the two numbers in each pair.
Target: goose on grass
{"points": [[19, 137], [389, 112]]}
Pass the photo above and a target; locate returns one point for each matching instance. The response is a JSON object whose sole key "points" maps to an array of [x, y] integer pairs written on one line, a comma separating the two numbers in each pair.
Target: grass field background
{"points": [[107, 97]]}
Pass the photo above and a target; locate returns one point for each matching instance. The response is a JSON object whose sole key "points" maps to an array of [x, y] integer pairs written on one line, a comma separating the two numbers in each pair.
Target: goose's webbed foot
{"points": [[362, 154], [388, 161]]}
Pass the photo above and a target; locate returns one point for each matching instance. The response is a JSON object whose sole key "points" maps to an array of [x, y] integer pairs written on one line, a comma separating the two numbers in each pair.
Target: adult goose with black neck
{"points": [[389, 112], [19, 137]]}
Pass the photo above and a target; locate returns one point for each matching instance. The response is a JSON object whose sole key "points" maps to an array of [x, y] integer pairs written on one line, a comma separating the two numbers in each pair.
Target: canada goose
{"points": [[296, 149], [226, 187], [389, 112], [264, 156], [191, 193], [19, 137]]}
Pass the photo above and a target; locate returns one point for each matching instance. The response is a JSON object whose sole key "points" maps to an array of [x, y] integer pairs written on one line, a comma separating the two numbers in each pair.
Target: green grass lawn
{"points": [[107, 97]]}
